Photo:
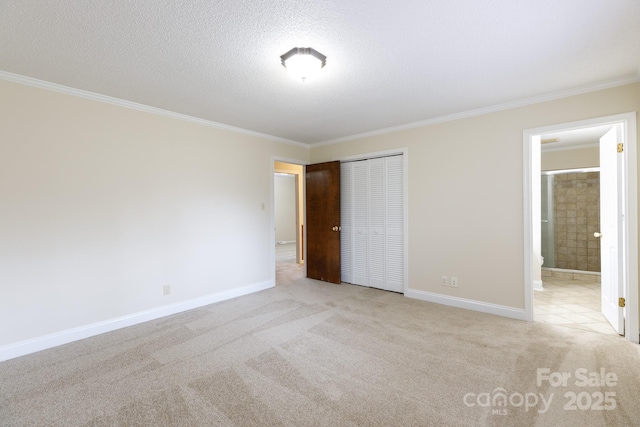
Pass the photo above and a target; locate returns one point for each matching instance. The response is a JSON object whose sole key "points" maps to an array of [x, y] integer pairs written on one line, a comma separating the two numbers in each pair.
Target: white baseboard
{"points": [[23, 348], [483, 307], [537, 285]]}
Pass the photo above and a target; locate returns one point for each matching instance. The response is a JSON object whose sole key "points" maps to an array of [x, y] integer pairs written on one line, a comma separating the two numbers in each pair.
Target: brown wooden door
{"points": [[323, 221]]}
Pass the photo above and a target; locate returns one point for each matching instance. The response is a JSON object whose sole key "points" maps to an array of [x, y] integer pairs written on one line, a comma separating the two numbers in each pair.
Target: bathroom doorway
{"points": [[558, 284]]}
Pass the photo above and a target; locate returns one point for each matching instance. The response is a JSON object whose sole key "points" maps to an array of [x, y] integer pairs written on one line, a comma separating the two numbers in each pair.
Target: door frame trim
{"points": [[272, 212], [404, 151], [531, 168]]}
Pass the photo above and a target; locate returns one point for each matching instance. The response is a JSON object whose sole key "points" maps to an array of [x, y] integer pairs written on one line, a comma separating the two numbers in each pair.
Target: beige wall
{"points": [[284, 196], [588, 157], [101, 206], [466, 192]]}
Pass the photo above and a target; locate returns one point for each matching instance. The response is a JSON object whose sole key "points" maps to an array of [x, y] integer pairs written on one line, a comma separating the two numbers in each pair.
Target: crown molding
{"points": [[486, 110], [29, 81]]}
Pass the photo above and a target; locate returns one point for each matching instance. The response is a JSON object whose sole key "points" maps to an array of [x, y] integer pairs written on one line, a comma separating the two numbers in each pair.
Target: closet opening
{"points": [[373, 219]]}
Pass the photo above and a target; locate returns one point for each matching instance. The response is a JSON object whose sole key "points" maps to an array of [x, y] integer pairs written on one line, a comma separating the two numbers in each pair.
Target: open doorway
{"points": [[618, 282], [570, 290], [288, 221]]}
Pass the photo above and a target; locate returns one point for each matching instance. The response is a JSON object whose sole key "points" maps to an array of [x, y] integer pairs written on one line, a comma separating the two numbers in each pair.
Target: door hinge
{"points": [[621, 302], [620, 147]]}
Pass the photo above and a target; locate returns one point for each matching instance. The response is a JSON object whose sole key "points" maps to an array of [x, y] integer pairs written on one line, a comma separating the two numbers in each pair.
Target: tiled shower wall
{"points": [[577, 217]]}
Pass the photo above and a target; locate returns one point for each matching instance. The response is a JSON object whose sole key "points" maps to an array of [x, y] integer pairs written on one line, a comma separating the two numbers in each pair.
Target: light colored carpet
{"points": [[307, 353]]}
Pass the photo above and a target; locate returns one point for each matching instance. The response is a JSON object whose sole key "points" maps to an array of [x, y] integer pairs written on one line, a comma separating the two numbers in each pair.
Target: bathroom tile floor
{"points": [[571, 303]]}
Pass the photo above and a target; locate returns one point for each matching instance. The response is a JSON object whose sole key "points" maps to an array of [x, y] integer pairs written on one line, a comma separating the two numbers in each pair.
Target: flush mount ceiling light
{"points": [[303, 62]]}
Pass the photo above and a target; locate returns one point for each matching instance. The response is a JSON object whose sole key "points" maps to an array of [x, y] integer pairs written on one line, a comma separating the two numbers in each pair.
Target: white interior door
{"points": [[394, 226], [611, 227], [372, 209], [377, 202], [360, 224], [346, 221]]}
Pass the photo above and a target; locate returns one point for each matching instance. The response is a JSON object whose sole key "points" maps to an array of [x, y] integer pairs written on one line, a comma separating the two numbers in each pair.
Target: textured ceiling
{"points": [[388, 63]]}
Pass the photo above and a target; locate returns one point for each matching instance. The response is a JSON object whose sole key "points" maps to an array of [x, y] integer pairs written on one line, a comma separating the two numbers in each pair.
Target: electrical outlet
{"points": [[167, 289], [444, 280], [454, 282]]}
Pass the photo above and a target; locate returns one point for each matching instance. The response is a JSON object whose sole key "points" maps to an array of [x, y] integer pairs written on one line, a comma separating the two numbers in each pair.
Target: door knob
{"points": [[596, 234], [335, 228]]}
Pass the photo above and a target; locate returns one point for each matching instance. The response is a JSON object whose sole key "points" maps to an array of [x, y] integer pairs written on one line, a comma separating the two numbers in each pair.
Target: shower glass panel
{"points": [[547, 226]]}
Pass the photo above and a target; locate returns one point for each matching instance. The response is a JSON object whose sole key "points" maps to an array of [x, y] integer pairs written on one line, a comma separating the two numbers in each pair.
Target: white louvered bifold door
{"points": [[346, 213], [394, 224], [360, 207], [372, 209], [376, 223]]}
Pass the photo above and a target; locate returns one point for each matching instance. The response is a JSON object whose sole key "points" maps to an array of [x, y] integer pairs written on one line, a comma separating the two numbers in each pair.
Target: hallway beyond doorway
{"points": [[287, 269]]}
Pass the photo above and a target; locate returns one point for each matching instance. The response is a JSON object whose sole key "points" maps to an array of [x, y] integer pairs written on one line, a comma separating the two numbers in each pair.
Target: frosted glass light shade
{"points": [[303, 62]]}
